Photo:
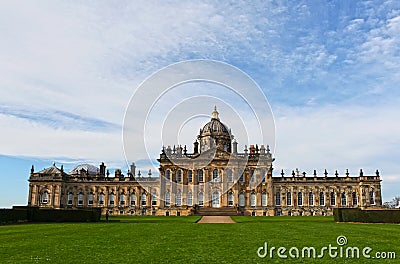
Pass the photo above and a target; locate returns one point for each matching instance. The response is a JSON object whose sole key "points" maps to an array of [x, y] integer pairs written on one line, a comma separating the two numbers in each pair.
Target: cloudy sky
{"points": [[330, 71]]}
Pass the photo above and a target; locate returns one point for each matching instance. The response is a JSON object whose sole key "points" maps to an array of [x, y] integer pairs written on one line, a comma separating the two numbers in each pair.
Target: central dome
{"points": [[215, 134], [214, 126]]}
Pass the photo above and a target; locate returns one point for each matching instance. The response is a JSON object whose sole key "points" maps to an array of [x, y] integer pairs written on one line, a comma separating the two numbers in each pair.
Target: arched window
{"points": [[241, 199], [143, 199], [253, 200], [321, 198], [201, 199], [133, 199], [45, 197], [333, 199], [90, 198], [230, 199], [112, 199], [70, 197], [179, 199], [371, 197], [310, 198], [168, 175], [278, 198], [80, 198], [215, 175], [230, 177], [354, 196], [200, 175], [264, 199], [167, 199], [190, 199], [300, 198], [344, 200], [179, 176], [154, 199], [101, 199], [289, 198], [122, 199], [190, 176]]}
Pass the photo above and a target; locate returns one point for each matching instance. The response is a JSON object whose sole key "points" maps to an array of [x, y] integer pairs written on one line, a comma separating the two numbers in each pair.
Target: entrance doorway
{"points": [[215, 199]]}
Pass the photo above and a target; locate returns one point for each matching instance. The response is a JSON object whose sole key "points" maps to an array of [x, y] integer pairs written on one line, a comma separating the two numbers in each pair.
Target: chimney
{"points": [[133, 168], [196, 147], [234, 146], [102, 169]]}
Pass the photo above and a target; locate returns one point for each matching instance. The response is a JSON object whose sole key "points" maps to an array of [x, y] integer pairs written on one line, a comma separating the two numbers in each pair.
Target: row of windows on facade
{"points": [[215, 176], [253, 199]]}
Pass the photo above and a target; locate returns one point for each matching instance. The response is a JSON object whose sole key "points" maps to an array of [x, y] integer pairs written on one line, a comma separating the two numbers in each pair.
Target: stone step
{"points": [[221, 211]]}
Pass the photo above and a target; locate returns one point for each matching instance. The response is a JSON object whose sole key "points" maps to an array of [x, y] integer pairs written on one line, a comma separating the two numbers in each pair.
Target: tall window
{"points": [[90, 198], [190, 199], [321, 198], [215, 175], [241, 199], [371, 197], [112, 199], [241, 179], [80, 199], [230, 178], [101, 199], [179, 199], [179, 176], [344, 201], [168, 175], [201, 199], [45, 197], [154, 199], [263, 176], [300, 198], [253, 199], [190, 176], [278, 198], [167, 199], [333, 198], [310, 198], [354, 196], [289, 198], [122, 199], [200, 175], [264, 199], [133, 199], [143, 199], [70, 196], [230, 198], [252, 176]]}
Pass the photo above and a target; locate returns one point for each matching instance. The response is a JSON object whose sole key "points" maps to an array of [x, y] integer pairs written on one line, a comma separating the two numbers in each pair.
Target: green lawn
{"points": [[128, 239]]}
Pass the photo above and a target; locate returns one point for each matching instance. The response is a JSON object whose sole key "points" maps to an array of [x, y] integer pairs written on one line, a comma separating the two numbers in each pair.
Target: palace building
{"points": [[215, 179]]}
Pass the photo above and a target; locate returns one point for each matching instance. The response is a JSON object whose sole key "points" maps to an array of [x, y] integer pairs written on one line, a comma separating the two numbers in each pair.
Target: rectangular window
{"points": [[310, 198], [69, 198], [190, 199], [179, 176], [300, 198], [168, 175], [133, 199], [80, 199], [278, 198], [200, 176], [90, 200], [344, 200], [153, 200], [333, 199], [355, 198], [122, 199], [321, 199], [371, 197], [201, 199], [230, 178], [289, 198], [264, 199], [112, 197], [190, 176], [167, 199], [101, 199]]}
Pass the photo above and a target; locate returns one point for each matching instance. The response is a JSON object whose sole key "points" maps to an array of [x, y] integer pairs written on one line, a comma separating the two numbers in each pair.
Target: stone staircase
{"points": [[221, 211]]}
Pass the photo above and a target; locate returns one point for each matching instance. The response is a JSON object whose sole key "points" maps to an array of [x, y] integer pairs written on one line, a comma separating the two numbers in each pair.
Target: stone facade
{"points": [[215, 176]]}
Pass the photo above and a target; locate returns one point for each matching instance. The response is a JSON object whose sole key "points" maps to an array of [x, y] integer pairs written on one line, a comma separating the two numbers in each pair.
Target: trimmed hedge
{"points": [[36, 214], [366, 215]]}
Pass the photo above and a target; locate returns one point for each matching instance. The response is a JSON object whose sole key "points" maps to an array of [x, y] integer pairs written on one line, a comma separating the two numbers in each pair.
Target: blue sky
{"points": [[330, 70]]}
